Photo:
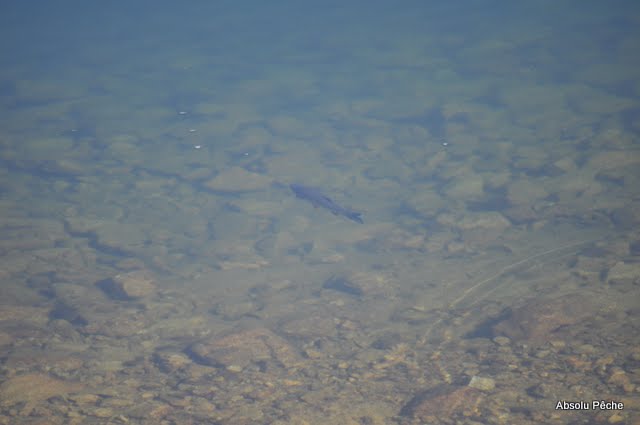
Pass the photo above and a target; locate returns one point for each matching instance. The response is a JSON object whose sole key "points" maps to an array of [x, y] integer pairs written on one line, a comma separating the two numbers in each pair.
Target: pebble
{"points": [[482, 383], [502, 340]]}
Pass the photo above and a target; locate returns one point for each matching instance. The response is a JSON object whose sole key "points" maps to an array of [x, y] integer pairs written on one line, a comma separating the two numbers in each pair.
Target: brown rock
{"points": [[624, 273], [136, 284], [443, 401], [33, 388], [536, 321], [169, 361], [361, 283], [121, 323], [245, 347], [130, 285]]}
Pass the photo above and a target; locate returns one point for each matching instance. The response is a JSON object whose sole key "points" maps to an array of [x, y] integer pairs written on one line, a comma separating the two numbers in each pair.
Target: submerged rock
{"points": [[33, 388], [130, 285], [237, 179], [623, 274], [444, 401], [240, 349], [361, 283], [537, 321]]}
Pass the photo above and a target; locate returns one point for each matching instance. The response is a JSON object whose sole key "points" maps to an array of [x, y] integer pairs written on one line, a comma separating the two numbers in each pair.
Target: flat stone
{"points": [[485, 220], [111, 235], [169, 361], [22, 234], [502, 340], [623, 273], [32, 316], [121, 323], [361, 283], [135, 284], [33, 388], [519, 214], [466, 188], [525, 192], [244, 348], [123, 237], [537, 321], [612, 159], [445, 401], [482, 383], [237, 179], [236, 309]]}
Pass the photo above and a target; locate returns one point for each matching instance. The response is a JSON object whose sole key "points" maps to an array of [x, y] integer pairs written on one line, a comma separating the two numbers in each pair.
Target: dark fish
{"points": [[318, 199]]}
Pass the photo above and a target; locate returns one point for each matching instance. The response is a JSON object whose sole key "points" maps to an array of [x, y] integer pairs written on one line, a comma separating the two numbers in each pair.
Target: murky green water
{"points": [[156, 267]]}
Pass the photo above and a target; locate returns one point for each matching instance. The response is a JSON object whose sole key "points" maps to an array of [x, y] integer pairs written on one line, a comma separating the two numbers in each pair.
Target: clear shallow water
{"points": [[151, 245]]}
